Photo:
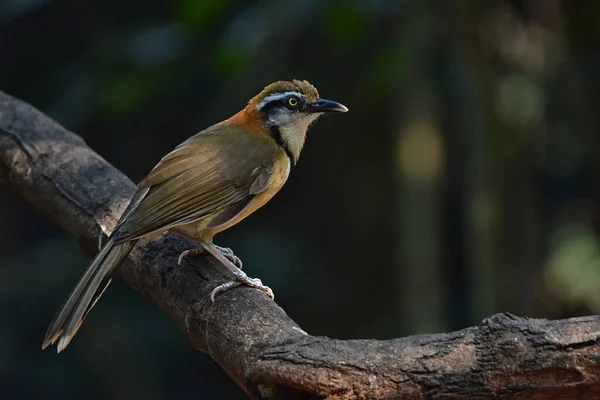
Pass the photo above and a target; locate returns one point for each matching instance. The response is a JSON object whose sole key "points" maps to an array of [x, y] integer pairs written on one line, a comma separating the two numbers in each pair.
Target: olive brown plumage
{"points": [[207, 184]]}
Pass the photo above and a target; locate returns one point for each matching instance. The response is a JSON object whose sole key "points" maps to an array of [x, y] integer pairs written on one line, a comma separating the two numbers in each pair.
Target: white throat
{"points": [[293, 129]]}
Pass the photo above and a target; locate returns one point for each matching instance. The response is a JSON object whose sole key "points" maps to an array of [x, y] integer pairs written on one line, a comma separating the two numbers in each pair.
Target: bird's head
{"points": [[287, 109]]}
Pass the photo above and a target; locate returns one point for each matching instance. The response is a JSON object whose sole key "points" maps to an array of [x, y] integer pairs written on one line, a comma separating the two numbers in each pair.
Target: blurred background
{"points": [[463, 181]]}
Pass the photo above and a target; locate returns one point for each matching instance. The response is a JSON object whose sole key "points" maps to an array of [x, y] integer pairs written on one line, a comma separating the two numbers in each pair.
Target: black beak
{"points": [[322, 105]]}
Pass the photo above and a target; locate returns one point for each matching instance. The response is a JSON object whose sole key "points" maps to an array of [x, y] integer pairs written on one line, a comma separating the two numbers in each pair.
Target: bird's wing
{"points": [[214, 171]]}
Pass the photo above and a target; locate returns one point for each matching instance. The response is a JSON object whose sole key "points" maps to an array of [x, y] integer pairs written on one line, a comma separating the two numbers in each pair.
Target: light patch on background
{"points": [[573, 270], [519, 101], [524, 44], [420, 151]]}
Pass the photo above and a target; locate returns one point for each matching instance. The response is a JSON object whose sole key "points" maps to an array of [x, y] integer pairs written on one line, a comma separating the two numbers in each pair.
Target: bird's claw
{"points": [[190, 252], [228, 253], [223, 288], [254, 283]]}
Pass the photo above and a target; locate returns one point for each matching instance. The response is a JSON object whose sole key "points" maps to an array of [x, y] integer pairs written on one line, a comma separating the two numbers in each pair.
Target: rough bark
{"points": [[252, 338]]}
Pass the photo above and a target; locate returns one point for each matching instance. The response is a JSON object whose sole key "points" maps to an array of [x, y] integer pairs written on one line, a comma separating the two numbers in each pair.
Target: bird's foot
{"points": [[240, 276], [228, 254], [190, 252], [245, 280], [225, 251]]}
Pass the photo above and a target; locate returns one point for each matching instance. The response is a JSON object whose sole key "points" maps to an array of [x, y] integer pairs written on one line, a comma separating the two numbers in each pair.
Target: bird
{"points": [[207, 184]]}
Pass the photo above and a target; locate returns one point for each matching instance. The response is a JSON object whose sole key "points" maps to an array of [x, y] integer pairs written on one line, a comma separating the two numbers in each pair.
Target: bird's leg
{"points": [[240, 276]]}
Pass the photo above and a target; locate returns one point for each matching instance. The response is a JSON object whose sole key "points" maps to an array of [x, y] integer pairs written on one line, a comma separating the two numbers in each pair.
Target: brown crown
{"points": [[308, 90]]}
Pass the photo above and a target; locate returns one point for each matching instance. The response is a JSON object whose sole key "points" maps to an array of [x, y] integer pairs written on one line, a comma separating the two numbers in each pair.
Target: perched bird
{"points": [[207, 184]]}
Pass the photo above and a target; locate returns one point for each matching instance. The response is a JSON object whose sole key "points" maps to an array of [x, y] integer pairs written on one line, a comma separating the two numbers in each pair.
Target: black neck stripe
{"points": [[276, 135]]}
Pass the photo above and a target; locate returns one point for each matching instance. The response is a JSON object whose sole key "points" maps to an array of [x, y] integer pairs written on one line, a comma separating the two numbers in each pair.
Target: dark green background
{"points": [[464, 181]]}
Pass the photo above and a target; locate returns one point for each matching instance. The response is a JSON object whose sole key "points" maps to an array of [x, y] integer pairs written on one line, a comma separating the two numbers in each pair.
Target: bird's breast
{"points": [[281, 171]]}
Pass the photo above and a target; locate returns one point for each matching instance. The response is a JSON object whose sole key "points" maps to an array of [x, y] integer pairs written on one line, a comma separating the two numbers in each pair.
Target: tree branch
{"points": [[252, 338]]}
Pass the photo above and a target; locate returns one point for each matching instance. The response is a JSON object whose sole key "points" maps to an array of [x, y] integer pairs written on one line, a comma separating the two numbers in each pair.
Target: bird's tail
{"points": [[88, 290]]}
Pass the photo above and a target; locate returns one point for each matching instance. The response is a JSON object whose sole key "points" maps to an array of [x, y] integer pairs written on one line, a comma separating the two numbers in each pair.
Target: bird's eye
{"points": [[292, 101]]}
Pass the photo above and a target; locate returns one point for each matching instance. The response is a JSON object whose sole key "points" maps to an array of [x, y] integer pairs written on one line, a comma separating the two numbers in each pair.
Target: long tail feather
{"points": [[85, 294]]}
